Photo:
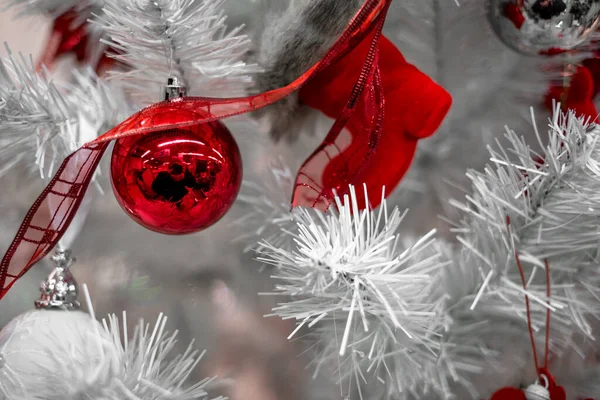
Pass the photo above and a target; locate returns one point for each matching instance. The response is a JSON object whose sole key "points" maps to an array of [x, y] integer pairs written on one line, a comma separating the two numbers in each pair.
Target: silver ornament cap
{"points": [[174, 89], [59, 290], [537, 392]]}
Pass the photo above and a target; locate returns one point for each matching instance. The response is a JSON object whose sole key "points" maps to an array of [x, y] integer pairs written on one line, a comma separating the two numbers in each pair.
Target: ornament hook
{"points": [[59, 290]]}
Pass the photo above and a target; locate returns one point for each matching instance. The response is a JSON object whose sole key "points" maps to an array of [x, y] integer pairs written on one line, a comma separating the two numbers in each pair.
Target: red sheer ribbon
{"points": [[362, 114]]}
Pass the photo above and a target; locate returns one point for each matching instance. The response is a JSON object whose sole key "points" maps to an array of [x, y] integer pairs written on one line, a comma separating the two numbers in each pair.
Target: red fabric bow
{"points": [[509, 393], [414, 108]]}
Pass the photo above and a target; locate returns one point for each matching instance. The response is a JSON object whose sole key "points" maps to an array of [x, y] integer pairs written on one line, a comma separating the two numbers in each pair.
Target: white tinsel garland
{"points": [[46, 121], [368, 295], [184, 39], [51, 7], [147, 371], [544, 207]]}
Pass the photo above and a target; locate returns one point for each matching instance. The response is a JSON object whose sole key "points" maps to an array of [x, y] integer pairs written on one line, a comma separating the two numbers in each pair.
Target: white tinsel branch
{"points": [[146, 368], [50, 7], [544, 207], [184, 39], [45, 121], [369, 298], [541, 206]]}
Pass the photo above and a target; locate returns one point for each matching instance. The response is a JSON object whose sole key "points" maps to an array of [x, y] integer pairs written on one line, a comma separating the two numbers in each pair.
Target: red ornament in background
{"points": [[177, 181], [71, 35], [577, 96]]}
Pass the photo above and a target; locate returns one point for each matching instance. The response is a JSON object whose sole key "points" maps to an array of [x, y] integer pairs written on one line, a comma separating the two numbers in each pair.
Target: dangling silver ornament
{"points": [[537, 391], [536, 27], [59, 290]]}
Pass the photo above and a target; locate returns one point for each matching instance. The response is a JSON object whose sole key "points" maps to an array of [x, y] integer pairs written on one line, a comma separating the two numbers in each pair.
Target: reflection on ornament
{"points": [[59, 290], [177, 181], [537, 27], [72, 35]]}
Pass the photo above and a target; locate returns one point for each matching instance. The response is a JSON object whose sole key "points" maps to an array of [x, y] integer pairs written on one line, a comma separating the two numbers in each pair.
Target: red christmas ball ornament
{"points": [[177, 181]]}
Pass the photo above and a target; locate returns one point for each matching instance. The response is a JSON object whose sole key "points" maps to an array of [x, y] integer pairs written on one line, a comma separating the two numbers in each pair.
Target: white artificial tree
{"points": [[389, 313]]}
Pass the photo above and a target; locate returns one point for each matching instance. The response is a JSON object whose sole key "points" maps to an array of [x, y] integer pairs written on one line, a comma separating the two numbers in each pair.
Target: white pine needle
{"points": [[553, 206], [185, 39], [147, 371], [143, 366], [369, 299], [43, 122], [50, 7]]}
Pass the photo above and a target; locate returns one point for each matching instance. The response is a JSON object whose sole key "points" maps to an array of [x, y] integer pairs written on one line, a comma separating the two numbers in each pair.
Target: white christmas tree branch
{"points": [[184, 39], [370, 297], [143, 367], [44, 121], [545, 207], [51, 7]]}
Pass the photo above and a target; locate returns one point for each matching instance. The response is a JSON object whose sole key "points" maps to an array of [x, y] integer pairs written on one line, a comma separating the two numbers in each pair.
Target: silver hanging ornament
{"points": [[537, 391], [548, 27], [59, 290]]}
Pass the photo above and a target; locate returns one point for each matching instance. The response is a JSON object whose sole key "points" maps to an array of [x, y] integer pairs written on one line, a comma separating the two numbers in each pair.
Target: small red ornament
{"points": [[177, 181], [509, 393], [578, 96], [71, 35]]}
